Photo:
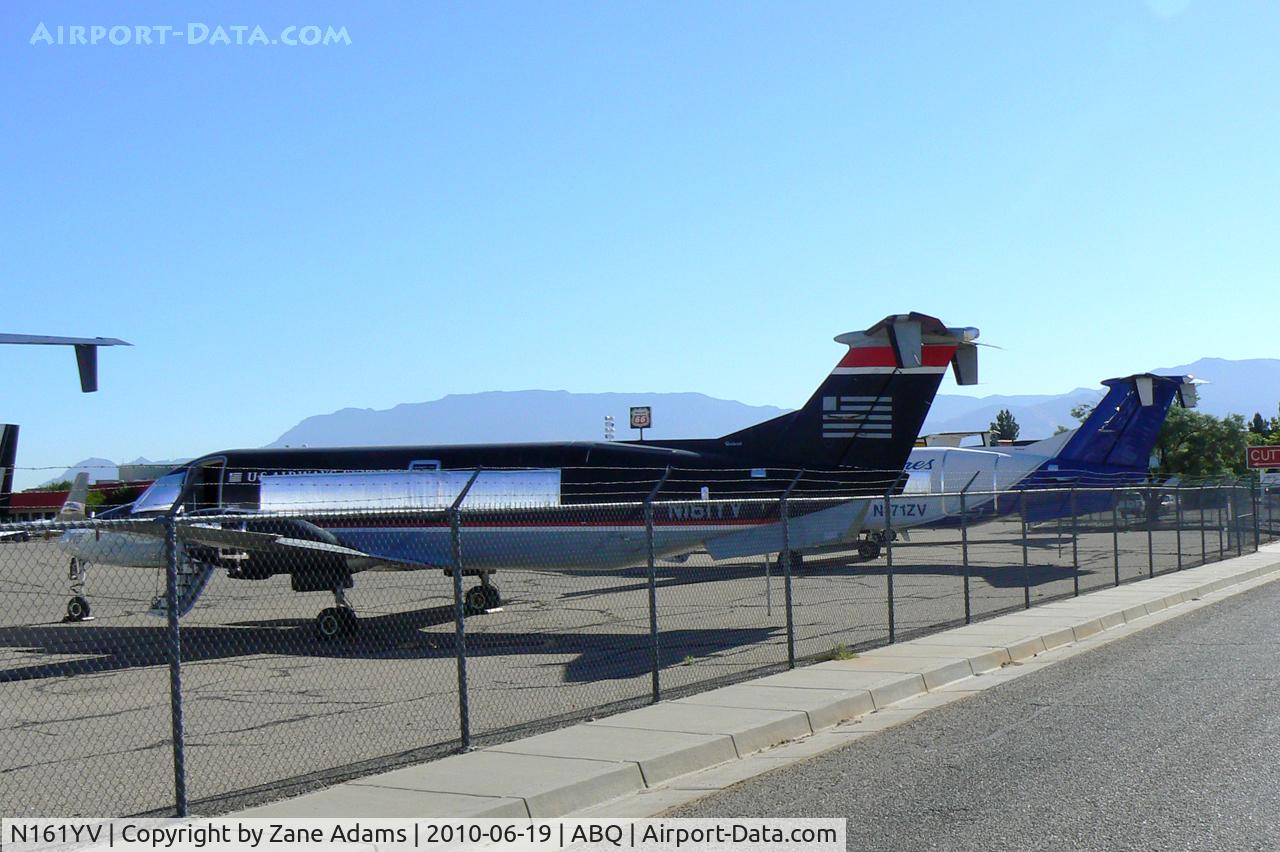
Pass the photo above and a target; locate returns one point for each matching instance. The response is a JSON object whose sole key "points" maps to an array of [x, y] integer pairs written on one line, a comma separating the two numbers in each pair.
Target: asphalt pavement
{"points": [[1168, 739]]}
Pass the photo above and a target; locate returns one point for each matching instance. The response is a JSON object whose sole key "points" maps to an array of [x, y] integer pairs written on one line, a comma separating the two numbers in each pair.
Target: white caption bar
{"points": [[402, 835]]}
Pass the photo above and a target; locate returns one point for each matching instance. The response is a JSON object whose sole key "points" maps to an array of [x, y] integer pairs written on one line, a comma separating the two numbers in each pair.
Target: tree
{"points": [[1081, 412], [1194, 444], [1005, 426], [64, 485], [1258, 426]]}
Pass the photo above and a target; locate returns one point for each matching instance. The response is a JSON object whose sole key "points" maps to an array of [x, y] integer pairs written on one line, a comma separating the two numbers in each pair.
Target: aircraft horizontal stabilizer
{"points": [[840, 523]]}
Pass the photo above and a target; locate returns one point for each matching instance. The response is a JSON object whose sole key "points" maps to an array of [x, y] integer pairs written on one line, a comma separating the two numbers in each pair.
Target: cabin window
{"points": [[424, 464], [160, 495]]}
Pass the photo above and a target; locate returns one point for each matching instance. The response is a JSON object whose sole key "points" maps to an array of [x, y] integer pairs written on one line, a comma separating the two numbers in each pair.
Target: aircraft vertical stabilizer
{"points": [[8, 459], [869, 410], [1120, 433]]}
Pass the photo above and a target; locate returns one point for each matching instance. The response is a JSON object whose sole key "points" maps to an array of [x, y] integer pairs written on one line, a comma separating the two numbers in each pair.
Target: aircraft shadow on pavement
{"points": [[393, 636], [999, 576]]}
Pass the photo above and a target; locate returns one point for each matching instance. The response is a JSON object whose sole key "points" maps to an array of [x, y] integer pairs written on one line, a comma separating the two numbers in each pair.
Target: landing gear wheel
{"points": [[868, 549], [77, 609], [336, 621], [492, 598], [797, 561], [350, 621], [476, 600]]}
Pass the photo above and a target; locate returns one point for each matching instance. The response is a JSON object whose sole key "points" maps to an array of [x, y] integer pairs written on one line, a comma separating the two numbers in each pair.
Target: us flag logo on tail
{"points": [[857, 416]]}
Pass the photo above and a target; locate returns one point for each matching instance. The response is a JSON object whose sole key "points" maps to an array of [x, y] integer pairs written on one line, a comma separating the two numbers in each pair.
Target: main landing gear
{"points": [[340, 620], [78, 606], [797, 561], [870, 547], [483, 597]]}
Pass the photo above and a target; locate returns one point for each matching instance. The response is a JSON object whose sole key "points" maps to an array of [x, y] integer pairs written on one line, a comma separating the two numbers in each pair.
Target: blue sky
{"points": [[618, 196]]}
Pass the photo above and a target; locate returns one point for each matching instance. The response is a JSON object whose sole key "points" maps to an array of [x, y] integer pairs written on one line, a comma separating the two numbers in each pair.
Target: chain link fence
{"points": [[134, 681]]}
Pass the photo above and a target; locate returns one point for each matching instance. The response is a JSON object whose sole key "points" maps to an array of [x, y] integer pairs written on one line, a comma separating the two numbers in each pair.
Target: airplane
{"points": [[321, 515], [86, 352], [1110, 448]]}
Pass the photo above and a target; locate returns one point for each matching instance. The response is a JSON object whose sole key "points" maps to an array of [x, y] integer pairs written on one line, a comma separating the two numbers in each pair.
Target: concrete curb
{"points": [[585, 765]]}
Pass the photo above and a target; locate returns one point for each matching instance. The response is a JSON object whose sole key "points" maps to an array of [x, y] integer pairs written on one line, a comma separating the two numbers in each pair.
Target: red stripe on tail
{"points": [[938, 355]]}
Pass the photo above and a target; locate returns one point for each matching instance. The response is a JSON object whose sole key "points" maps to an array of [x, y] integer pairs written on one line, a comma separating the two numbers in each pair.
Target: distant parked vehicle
{"points": [[1137, 505]]}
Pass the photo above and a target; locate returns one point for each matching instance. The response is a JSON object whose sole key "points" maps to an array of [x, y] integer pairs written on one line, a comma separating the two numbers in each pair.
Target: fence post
{"points": [[964, 553], [784, 510], [1222, 524], [1149, 505], [1271, 527], [1204, 547], [888, 561], [1236, 523], [1075, 543], [1177, 520], [460, 612], [655, 650], [172, 555], [1115, 532], [1026, 569], [1256, 503]]}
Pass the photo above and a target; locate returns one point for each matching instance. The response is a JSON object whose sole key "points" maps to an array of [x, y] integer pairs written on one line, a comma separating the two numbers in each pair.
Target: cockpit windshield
{"points": [[160, 495]]}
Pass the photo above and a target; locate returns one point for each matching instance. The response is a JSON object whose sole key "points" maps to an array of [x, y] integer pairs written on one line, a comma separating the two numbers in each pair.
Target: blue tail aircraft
{"points": [[1111, 447]]}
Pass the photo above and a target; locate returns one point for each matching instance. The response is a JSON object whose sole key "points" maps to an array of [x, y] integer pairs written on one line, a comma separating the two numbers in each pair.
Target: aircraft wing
{"points": [[263, 542]]}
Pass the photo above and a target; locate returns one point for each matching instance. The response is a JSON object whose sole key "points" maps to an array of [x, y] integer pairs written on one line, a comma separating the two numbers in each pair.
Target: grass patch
{"points": [[840, 651]]}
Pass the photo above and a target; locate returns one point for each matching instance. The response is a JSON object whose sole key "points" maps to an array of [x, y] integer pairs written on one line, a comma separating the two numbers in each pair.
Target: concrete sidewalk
{"points": [[654, 748]]}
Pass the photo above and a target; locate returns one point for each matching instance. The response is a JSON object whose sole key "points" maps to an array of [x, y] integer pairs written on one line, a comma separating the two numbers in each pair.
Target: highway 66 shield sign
{"points": [[641, 417]]}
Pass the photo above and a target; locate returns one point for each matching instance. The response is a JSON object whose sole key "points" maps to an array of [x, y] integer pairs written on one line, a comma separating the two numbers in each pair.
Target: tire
{"points": [[868, 549], [492, 597], [797, 562], [475, 600], [77, 609], [330, 624]]}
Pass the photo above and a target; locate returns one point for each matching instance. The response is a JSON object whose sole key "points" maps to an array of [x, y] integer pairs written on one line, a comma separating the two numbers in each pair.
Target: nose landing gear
{"points": [[336, 621], [78, 606]]}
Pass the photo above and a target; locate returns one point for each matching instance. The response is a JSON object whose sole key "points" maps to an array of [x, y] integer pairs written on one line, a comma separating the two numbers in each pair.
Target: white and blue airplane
{"points": [[1112, 447]]}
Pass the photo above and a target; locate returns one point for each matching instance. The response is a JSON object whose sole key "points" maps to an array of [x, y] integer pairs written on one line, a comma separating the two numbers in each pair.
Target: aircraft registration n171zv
{"points": [[322, 515]]}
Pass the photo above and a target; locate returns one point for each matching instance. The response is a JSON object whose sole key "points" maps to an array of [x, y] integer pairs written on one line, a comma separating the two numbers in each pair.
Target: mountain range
{"points": [[1239, 387]]}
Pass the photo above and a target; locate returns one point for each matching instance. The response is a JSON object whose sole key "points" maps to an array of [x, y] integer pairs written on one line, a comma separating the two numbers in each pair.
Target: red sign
{"points": [[1263, 456]]}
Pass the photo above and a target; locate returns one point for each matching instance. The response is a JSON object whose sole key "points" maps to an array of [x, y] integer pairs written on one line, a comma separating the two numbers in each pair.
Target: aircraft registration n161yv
{"points": [[322, 515]]}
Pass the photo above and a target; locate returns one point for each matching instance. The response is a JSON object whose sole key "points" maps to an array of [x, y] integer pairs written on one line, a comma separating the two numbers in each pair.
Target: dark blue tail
{"points": [[1113, 446], [1120, 433]]}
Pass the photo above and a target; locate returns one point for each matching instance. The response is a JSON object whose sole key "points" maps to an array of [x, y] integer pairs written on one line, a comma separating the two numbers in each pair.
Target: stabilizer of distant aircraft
{"points": [[73, 508], [1119, 435], [8, 459], [86, 352]]}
